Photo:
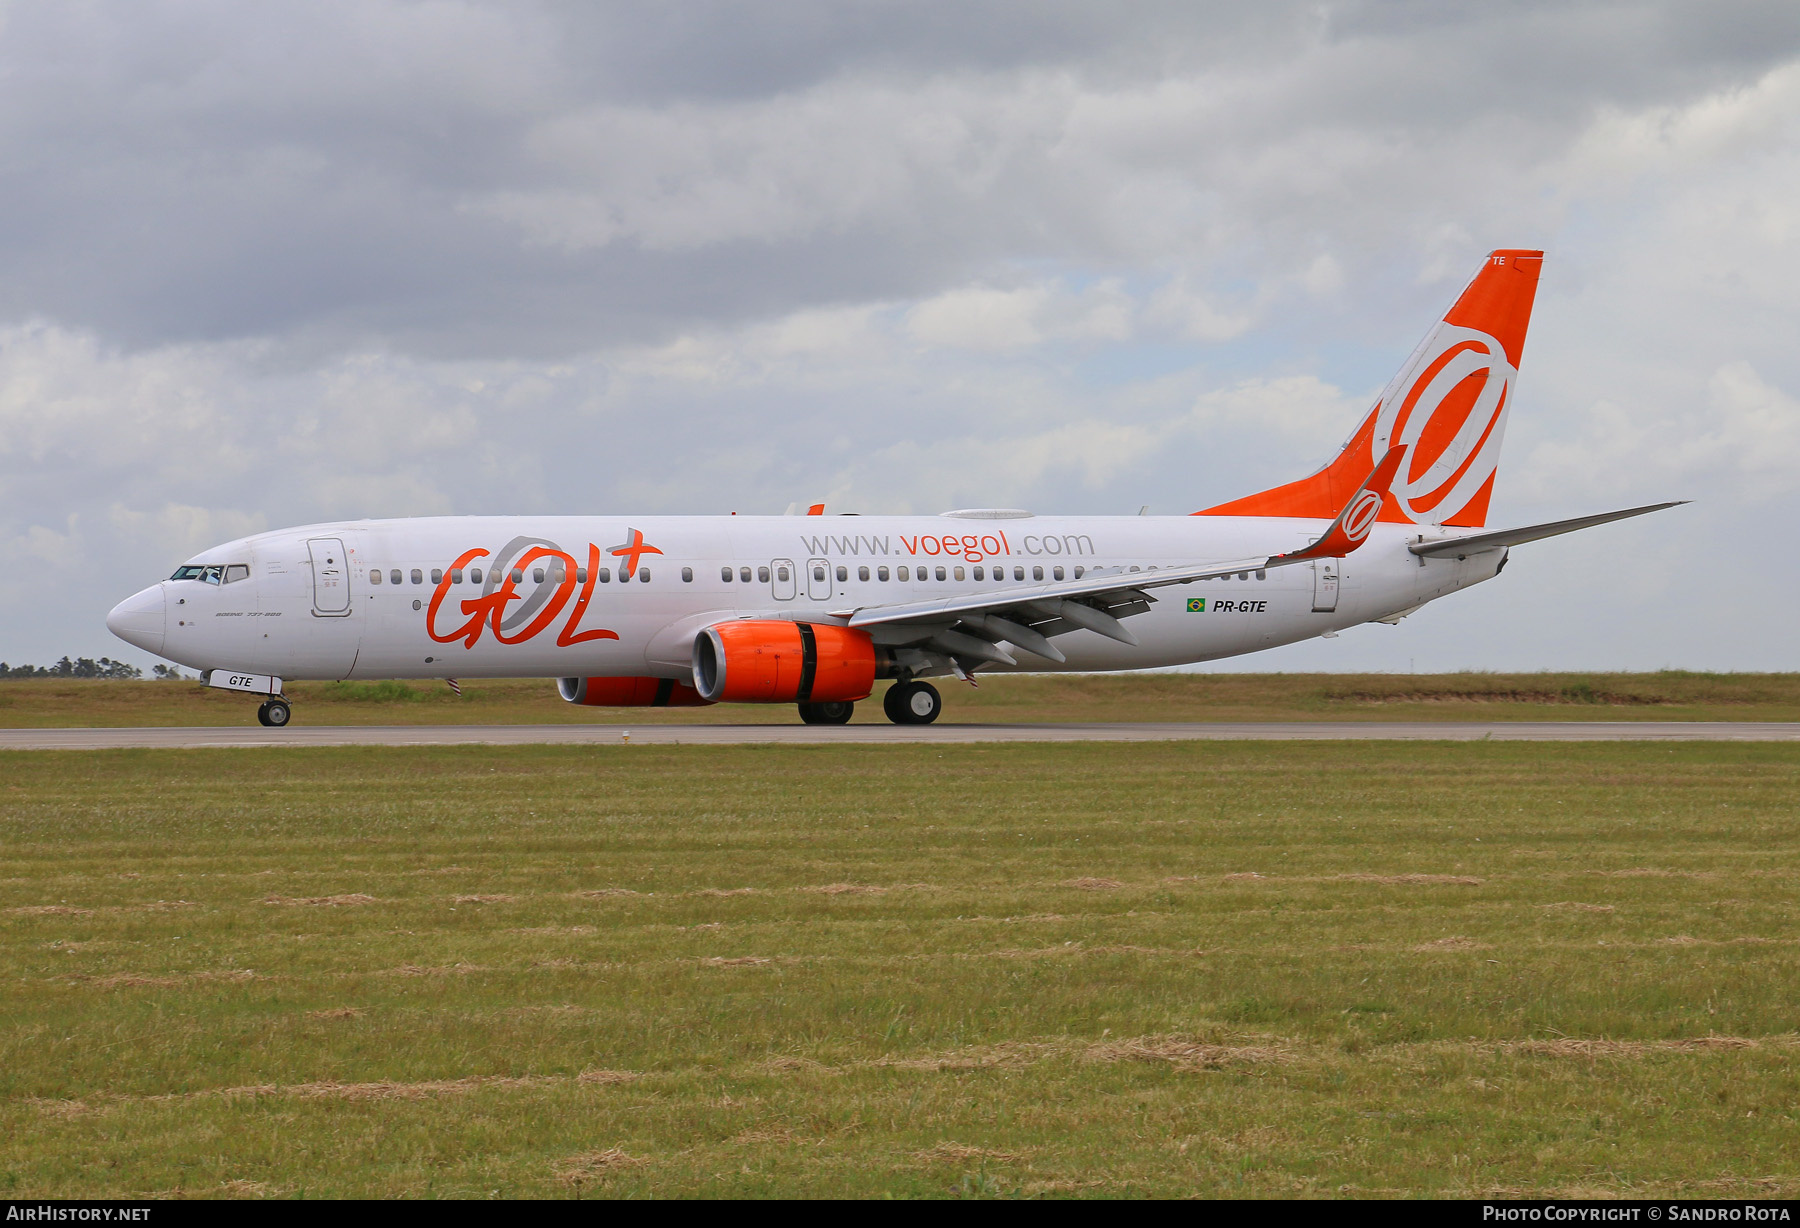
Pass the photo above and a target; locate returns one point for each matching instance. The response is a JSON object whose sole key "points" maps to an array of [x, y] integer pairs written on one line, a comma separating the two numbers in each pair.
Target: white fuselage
{"points": [[308, 607]]}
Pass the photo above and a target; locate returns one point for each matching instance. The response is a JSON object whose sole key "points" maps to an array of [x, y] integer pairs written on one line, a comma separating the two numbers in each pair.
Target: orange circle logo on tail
{"points": [[1448, 410]]}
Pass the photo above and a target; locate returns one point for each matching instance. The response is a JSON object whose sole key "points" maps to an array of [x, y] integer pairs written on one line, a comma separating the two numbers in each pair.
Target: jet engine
{"points": [[629, 693], [770, 661]]}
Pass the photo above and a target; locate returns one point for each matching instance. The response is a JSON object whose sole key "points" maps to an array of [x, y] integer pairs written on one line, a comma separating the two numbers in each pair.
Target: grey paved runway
{"points": [[863, 735]]}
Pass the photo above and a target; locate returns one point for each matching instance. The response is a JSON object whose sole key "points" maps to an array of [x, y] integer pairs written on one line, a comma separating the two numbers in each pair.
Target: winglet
{"points": [[1351, 528]]}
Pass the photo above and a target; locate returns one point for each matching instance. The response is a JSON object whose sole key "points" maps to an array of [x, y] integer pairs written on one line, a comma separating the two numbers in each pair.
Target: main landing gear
{"points": [[275, 713], [912, 703], [835, 712], [906, 703]]}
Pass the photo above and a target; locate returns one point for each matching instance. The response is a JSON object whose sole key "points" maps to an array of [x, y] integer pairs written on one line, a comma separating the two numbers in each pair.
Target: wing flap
{"points": [[1098, 583]]}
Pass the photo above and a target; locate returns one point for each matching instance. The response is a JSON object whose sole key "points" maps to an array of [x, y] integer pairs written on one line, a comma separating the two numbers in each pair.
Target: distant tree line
{"points": [[84, 667]]}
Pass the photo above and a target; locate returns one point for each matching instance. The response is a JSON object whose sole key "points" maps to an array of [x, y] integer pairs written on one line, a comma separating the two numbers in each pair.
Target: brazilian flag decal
{"points": [[1196, 605]]}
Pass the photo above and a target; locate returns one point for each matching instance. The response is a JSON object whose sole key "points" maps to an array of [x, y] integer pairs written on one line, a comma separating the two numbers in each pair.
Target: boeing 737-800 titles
{"points": [[662, 610]]}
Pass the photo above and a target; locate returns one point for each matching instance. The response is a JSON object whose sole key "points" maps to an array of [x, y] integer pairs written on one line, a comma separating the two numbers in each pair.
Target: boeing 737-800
{"points": [[676, 610]]}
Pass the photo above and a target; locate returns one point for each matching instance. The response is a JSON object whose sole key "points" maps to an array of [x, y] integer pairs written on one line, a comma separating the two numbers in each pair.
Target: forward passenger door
{"points": [[331, 577]]}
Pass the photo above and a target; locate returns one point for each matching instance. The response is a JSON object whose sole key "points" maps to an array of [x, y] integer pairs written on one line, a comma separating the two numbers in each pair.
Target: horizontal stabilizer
{"points": [[1475, 543]]}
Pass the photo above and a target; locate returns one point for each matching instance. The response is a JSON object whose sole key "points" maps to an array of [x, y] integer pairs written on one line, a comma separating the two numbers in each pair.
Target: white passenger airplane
{"points": [[677, 610]]}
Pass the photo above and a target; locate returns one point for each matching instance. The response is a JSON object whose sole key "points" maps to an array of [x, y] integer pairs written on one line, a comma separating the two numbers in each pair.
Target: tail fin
{"points": [[1447, 408]]}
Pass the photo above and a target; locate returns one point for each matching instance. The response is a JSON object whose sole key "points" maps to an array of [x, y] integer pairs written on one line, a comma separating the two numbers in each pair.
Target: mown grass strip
{"points": [[1035, 970]]}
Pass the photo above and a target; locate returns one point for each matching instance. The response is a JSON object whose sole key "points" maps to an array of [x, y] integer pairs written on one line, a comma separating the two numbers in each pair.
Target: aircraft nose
{"points": [[141, 620]]}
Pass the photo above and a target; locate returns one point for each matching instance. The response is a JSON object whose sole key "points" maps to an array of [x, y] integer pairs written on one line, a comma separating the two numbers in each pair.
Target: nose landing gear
{"points": [[912, 703], [274, 713]]}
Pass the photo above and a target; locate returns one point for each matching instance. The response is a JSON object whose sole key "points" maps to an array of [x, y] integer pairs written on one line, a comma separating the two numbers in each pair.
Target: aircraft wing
{"points": [[973, 626], [1475, 543]]}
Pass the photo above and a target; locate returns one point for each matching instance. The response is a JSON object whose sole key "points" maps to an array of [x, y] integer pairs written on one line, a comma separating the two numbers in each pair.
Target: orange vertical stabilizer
{"points": [[1446, 408]]}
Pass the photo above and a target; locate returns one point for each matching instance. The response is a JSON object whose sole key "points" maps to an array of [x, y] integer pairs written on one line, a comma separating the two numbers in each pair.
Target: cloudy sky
{"points": [[263, 265]]}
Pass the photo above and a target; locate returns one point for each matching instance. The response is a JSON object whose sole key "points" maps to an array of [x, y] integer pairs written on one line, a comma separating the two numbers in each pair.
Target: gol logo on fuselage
{"points": [[544, 604]]}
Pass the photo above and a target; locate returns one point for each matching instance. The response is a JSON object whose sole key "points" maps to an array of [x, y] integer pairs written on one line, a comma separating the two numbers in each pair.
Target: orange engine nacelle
{"points": [[629, 693], [767, 661]]}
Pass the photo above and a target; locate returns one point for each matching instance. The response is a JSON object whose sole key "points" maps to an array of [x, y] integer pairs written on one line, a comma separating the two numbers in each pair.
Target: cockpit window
{"points": [[188, 573], [236, 571]]}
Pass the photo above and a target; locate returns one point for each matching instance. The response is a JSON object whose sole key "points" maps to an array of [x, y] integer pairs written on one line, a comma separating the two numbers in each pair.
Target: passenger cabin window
{"points": [[781, 573], [980, 574], [844, 573], [437, 575], [1018, 573], [959, 573], [455, 575], [394, 575], [537, 575], [687, 575], [940, 573], [418, 577], [643, 575], [762, 575], [1037, 573], [374, 575], [605, 575], [1056, 573], [474, 575], [862, 573], [901, 572], [237, 571], [518, 577], [1078, 572], [581, 575], [818, 573], [725, 574], [881, 573], [744, 574]]}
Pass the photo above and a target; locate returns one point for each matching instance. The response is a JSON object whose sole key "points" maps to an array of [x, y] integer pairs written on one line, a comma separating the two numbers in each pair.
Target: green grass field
{"points": [[1667, 696], [1169, 969]]}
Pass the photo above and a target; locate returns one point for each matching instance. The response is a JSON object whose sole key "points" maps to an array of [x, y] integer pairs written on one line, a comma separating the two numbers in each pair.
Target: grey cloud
{"points": [[370, 173]]}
